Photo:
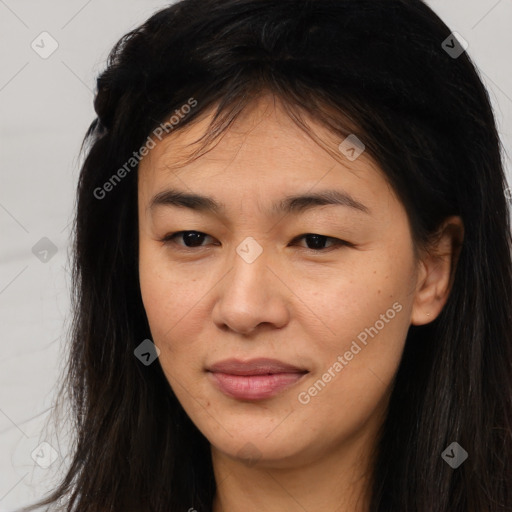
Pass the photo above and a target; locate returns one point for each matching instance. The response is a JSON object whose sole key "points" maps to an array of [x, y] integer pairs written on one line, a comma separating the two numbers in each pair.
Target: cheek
{"points": [[158, 291], [367, 310], [354, 297], [172, 300]]}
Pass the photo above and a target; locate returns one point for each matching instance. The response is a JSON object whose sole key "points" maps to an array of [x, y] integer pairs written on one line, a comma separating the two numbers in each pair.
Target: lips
{"points": [[256, 379], [261, 366]]}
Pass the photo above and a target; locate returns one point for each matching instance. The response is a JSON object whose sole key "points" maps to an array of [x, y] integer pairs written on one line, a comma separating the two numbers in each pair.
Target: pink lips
{"points": [[256, 379]]}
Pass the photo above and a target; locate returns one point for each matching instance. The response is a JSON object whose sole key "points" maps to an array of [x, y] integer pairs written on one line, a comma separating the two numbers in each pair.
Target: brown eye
{"points": [[317, 242], [190, 239]]}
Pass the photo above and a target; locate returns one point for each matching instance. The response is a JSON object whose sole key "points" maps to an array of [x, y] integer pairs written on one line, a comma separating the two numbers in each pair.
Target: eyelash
{"points": [[169, 239]]}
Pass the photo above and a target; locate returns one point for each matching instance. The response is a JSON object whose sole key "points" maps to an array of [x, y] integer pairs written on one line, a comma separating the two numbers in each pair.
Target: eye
{"points": [[318, 242], [194, 239], [191, 238]]}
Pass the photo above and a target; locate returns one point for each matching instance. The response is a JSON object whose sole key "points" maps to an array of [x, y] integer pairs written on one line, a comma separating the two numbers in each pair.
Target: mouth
{"points": [[257, 379]]}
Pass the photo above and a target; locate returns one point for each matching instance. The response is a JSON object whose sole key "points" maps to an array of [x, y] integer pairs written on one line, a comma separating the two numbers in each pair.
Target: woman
{"points": [[292, 268]]}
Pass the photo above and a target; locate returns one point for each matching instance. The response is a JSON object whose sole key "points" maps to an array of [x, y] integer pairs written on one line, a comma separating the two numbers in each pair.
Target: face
{"points": [[324, 290]]}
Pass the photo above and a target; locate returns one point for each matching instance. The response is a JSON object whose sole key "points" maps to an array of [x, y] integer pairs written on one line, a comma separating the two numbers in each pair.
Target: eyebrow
{"points": [[290, 204]]}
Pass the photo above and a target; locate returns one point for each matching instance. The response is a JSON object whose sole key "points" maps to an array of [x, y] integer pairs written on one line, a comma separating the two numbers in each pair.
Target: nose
{"points": [[252, 294]]}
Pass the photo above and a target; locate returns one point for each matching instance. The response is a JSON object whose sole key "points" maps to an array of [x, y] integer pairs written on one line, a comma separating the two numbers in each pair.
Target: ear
{"points": [[436, 271]]}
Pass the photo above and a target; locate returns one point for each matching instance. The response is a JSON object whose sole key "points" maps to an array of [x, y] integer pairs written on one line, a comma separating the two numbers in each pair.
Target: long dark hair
{"points": [[383, 71]]}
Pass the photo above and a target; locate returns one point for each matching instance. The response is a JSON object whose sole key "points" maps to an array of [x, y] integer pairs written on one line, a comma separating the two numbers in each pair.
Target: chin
{"points": [[257, 449]]}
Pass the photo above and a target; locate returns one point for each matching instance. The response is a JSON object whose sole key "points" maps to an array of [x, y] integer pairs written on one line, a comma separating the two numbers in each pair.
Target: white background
{"points": [[46, 107]]}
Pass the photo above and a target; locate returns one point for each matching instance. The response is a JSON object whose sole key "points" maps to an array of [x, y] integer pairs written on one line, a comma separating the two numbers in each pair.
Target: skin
{"points": [[302, 307]]}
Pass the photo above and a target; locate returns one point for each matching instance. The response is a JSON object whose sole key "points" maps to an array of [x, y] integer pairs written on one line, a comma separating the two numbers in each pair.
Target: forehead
{"points": [[262, 150]]}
